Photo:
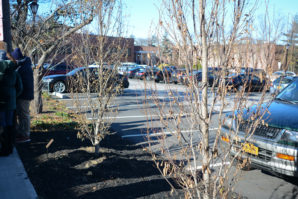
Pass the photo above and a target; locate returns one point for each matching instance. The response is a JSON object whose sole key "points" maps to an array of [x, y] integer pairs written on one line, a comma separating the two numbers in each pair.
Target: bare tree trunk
{"points": [[204, 112], [37, 103]]}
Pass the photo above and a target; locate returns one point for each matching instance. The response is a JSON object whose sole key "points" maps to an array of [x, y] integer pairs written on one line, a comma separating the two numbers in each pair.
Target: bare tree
{"points": [[40, 41], [104, 51], [215, 34]]}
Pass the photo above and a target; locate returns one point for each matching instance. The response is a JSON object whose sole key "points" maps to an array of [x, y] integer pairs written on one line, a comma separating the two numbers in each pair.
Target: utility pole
{"points": [[5, 33]]}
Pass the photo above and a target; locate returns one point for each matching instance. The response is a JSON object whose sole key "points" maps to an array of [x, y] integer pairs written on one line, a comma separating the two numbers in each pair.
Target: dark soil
{"points": [[70, 169]]}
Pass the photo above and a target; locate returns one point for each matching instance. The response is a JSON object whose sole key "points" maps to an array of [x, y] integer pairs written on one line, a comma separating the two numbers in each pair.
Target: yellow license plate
{"points": [[250, 148], [278, 87]]}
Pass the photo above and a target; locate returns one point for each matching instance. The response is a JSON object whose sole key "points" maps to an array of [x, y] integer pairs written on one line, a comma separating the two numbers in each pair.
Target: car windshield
{"points": [[290, 93], [279, 73], [283, 80]]}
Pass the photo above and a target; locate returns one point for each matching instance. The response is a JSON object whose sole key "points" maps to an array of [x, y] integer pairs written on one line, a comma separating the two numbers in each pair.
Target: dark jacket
{"points": [[26, 73], [10, 85]]}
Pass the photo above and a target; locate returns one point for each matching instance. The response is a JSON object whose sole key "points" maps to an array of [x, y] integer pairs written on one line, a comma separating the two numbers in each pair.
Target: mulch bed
{"points": [[70, 169]]}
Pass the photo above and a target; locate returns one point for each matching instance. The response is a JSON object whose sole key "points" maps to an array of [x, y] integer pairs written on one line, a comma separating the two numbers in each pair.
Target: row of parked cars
{"points": [[245, 78]]}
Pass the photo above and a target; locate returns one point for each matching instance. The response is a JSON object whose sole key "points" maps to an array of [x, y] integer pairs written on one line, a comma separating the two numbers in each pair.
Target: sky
{"points": [[143, 15], [143, 12]]}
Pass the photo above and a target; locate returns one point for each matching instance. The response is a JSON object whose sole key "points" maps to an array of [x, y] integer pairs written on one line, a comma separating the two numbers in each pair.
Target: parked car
{"points": [[165, 74], [233, 81], [280, 83], [273, 145], [186, 78], [61, 68], [249, 82], [278, 74], [76, 80], [125, 67], [177, 76], [213, 75], [147, 73], [131, 73], [253, 82], [213, 78]]}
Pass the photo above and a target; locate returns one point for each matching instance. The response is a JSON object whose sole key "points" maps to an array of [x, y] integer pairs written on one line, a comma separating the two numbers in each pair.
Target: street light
{"points": [[34, 7], [287, 51]]}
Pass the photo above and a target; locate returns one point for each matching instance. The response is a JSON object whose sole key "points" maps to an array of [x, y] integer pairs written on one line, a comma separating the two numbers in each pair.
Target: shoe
{"points": [[5, 152], [22, 139]]}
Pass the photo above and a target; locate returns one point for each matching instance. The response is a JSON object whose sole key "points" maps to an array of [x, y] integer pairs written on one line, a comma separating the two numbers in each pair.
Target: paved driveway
{"points": [[138, 111]]}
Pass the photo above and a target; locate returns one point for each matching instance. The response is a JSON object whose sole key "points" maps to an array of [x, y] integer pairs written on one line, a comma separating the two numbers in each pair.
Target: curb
{"points": [[14, 181]]}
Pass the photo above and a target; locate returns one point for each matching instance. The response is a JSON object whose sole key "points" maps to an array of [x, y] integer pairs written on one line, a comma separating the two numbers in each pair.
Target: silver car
{"points": [[272, 143], [280, 83]]}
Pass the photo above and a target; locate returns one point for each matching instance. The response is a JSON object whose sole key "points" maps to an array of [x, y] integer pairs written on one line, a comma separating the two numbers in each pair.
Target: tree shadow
{"points": [[134, 190], [55, 171]]}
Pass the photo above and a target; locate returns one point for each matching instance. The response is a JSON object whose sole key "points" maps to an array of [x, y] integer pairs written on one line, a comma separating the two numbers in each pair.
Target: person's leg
{"points": [[2, 125], [7, 137], [2, 121], [23, 115]]}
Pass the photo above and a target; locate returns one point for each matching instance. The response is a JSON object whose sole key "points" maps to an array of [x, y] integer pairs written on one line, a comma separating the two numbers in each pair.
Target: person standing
{"points": [[23, 101], [10, 88]]}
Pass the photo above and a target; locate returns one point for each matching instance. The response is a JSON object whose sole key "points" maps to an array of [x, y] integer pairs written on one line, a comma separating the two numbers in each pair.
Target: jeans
{"points": [[6, 118], [23, 117]]}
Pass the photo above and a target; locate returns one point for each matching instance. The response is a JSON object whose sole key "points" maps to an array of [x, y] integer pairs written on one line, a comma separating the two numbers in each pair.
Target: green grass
{"points": [[55, 116]]}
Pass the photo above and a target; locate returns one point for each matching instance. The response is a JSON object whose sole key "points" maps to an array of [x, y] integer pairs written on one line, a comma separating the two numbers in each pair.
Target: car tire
{"points": [[240, 88], [148, 78], [59, 87]]}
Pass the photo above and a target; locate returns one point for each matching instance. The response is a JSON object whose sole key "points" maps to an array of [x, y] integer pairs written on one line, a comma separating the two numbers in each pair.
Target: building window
{"points": [[129, 52]]}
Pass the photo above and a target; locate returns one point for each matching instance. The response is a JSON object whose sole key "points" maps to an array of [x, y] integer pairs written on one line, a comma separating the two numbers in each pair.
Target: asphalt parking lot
{"points": [[137, 105]]}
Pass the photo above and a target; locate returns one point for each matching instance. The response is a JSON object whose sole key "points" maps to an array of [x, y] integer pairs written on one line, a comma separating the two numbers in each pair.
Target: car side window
{"points": [[60, 67], [255, 78]]}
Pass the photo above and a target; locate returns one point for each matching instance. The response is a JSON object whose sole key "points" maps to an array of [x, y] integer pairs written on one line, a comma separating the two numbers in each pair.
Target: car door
{"points": [[256, 83]]}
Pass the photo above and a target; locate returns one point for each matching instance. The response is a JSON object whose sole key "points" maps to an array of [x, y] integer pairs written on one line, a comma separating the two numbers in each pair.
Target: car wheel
{"points": [[148, 78], [59, 87], [240, 88]]}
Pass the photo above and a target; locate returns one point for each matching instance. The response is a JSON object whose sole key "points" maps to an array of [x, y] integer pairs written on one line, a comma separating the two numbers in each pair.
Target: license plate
{"points": [[250, 148], [278, 87]]}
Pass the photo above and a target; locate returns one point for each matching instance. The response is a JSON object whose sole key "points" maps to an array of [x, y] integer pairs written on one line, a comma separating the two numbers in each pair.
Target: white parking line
{"points": [[162, 133], [137, 116], [113, 106], [211, 166], [120, 117]]}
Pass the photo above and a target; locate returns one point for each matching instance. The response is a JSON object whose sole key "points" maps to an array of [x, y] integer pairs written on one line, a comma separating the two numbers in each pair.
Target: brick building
{"points": [[147, 55], [83, 48]]}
